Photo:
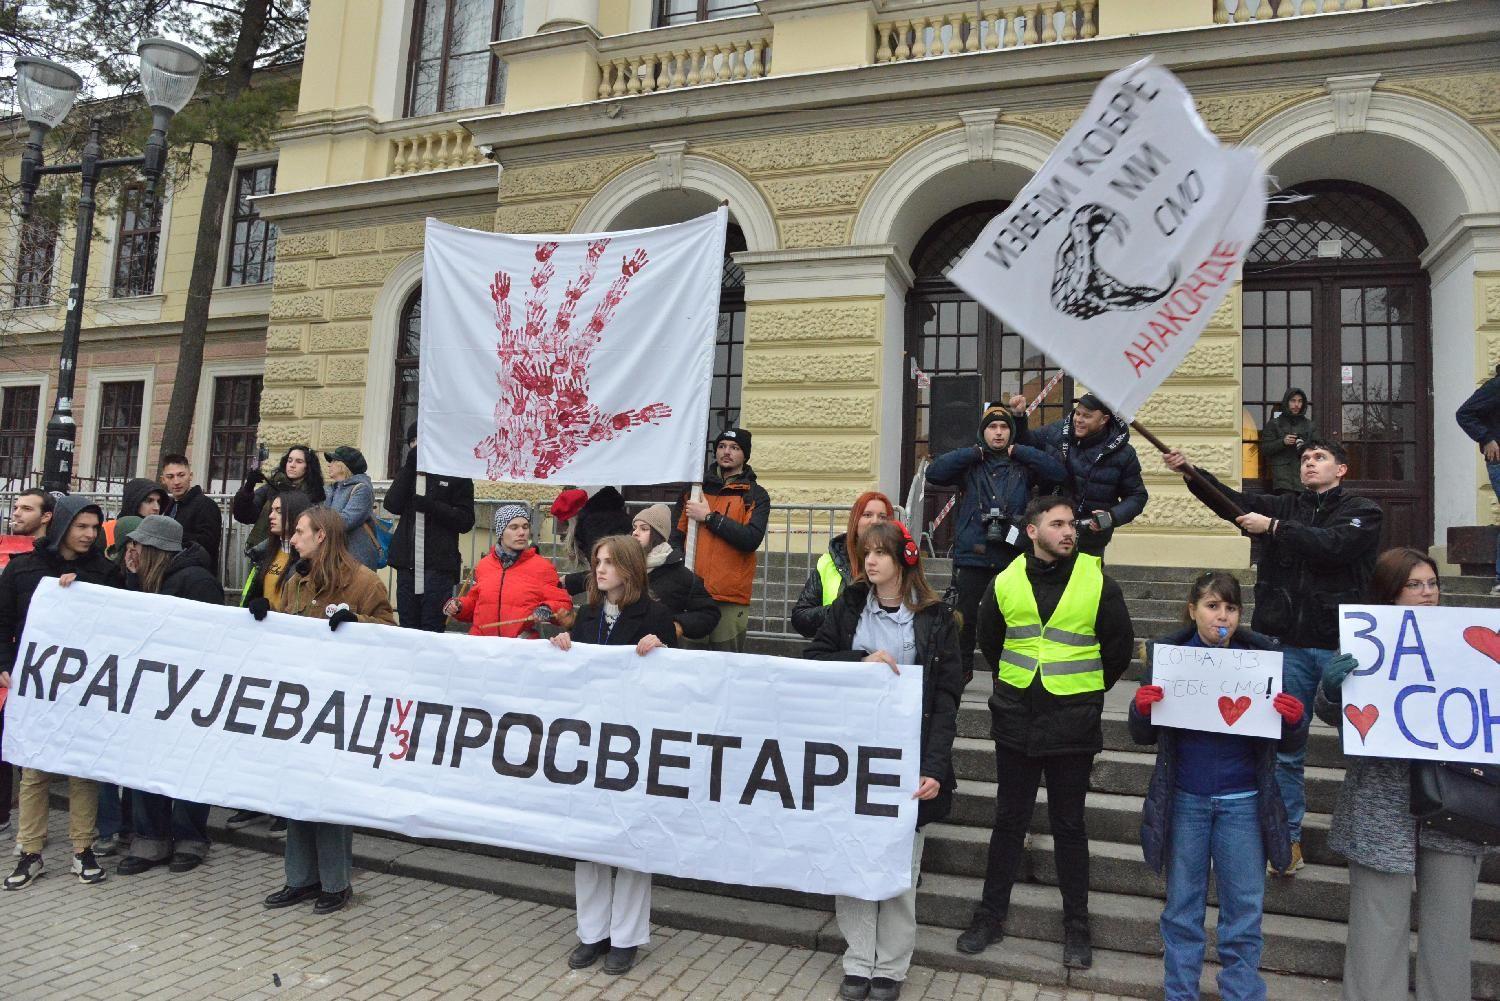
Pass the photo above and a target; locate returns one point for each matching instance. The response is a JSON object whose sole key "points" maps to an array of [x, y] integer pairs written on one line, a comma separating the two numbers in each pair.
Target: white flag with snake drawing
{"points": [[576, 358], [1115, 255]]}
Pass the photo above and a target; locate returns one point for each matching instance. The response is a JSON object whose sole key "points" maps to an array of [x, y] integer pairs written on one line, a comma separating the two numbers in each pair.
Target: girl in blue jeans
{"points": [[1213, 803]]}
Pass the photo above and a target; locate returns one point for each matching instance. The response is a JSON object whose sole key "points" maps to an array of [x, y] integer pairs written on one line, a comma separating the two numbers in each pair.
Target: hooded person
{"points": [[996, 478], [1102, 471], [70, 546], [140, 498], [512, 584], [298, 469], [1281, 441]]}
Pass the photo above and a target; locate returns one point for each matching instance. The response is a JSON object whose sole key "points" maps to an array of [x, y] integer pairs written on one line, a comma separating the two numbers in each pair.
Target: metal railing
{"points": [[796, 536]]}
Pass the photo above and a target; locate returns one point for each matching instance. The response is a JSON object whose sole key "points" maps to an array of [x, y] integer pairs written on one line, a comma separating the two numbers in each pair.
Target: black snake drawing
{"points": [[1080, 287]]}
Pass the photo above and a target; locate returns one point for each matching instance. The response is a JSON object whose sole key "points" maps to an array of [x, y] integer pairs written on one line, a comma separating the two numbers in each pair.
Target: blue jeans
{"points": [[1226, 831], [115, 810], [1494, 470], [426, 611], [164, 825], [1301, 670], [319, 855]]}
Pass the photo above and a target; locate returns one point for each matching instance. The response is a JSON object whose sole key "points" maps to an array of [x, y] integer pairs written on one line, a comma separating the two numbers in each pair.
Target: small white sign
{"points": [[1346, 374], [1217, 689]]}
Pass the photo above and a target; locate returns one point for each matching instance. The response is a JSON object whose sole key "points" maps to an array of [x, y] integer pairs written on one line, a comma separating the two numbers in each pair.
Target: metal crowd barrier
{"points": [[796, 536]]}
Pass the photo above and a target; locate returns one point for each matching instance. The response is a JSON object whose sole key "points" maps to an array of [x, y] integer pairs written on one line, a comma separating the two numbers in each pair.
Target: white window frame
{"points": [[107, 279], [43, 380], [203, 413], [87, 450], [268, 158]]}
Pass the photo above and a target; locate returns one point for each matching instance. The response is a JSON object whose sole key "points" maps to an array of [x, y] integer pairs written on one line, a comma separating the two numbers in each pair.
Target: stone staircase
{"points": [[1304, 924]]}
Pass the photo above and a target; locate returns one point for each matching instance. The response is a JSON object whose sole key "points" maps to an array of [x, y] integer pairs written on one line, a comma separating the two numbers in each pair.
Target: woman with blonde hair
{"points": [[614, 903], [326, 582]]}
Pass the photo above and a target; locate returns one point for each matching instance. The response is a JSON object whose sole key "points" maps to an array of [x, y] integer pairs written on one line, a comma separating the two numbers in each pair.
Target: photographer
{"points": [[996, 479], [1281, 441]]}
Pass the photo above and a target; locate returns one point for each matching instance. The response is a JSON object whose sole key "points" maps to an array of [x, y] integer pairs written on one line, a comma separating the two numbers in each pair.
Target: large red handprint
{"points": [[543, 415]]}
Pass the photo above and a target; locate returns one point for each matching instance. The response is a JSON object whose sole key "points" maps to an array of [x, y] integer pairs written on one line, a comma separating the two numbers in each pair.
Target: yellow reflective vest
{"points": [[1065, 648], [833, 581]]}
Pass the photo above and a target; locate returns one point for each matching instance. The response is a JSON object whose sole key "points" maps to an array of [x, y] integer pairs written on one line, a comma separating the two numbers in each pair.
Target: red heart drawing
{"points": [[1362, 719], [1233, 709], [1486, 641]]}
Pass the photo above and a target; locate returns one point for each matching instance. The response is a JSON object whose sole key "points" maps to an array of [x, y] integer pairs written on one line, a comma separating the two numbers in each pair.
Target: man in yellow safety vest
{"points": [[1057, 633]]}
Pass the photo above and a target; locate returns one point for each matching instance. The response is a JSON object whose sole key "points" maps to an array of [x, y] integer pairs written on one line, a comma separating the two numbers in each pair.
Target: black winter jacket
{"points": [[190, 576], [674, 586], [936, 632], [809, 612], [200, 520], [992, 480], [22, 575], [1035, 722], [1321, 555], [1156, 811], [1282, 460], [1102, 471], [1479, 415], [634, 624], [449, 505]]}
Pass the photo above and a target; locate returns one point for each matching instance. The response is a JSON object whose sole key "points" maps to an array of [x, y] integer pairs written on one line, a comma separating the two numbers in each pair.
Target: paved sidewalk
{"points": [[204, 935]]}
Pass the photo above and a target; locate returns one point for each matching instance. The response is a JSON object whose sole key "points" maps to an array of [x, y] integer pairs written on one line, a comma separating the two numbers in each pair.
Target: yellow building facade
{"points": [[859, 145]]}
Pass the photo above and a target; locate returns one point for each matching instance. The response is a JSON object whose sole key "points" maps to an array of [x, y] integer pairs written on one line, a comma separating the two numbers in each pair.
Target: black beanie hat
{"points": [[739, 436], [993, 414]]}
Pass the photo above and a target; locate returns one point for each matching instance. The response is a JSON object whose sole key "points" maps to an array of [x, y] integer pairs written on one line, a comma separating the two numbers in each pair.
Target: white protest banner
{"points": [[569, 358], [1138, 224], [746, 769], [1428, 682], [1217, 689]]}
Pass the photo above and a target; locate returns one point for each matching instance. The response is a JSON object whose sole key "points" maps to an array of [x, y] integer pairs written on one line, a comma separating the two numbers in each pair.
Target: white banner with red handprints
{"points": [[738, 768], [576, 358], [1427, 686], [1113, 258]]}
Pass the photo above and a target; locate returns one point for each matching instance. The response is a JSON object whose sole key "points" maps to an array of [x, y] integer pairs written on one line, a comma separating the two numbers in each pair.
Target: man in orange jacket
{"points": [[731, 521]]}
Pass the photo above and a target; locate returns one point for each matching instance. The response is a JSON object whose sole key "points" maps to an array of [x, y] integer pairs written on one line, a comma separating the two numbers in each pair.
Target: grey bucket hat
{"points": [[159, 532]]}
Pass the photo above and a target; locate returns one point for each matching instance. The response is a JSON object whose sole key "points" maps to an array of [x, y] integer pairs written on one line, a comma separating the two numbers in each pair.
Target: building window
{"points": [[688, 11], [34, 260], [450, 65], [232, 437], [18, 416], [252, 240], [408, 376], [117, 450], [135, 251]]}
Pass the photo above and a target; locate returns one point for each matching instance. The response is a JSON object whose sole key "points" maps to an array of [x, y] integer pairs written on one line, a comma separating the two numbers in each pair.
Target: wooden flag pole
{"points": [[690, 553], [1190, 472]]}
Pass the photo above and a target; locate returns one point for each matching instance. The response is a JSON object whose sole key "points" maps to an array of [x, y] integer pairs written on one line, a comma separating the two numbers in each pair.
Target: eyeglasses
{"points": [[1422, 585]]}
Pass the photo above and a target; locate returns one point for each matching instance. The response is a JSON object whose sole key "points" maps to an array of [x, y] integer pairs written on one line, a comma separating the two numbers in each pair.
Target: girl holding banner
{"points": [[1213, 798], [614, 903], [894, 617], [1374, 829], [326, 582]]}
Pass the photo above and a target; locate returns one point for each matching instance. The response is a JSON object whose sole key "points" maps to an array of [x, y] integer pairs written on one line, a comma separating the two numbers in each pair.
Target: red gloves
{"points": [[1145, 695], [1288, 705]]}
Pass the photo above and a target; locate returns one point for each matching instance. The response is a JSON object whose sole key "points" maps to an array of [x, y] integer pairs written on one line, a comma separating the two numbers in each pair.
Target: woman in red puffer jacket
{"points": [[511, 584]]}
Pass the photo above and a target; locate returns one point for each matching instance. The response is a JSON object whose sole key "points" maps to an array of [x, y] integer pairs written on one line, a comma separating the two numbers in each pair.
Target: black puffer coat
{"points": [[809, 612], [936, 631], [190, 575], [1156, 811], [1035, 722], [1321, 556], [1103, 472], [448, 503], [201, 522]]}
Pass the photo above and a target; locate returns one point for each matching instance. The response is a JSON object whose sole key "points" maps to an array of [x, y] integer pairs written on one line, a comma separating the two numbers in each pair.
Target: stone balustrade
{"points": [[1239, 11], [923, 33], [439, 148], [668, 59]]}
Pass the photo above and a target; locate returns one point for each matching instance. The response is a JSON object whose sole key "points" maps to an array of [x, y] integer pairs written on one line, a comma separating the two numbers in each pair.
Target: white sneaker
{"points": [[1495, 591]]}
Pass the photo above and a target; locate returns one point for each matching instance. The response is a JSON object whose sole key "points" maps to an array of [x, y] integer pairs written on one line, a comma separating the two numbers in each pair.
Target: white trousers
{"points": [[613, 904], [881, 934]]}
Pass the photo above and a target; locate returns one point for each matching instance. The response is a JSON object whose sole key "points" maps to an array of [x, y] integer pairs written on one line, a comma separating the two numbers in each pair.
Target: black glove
{"points": [[421, 503], [342, 615], [255, 476], [258, 608]]}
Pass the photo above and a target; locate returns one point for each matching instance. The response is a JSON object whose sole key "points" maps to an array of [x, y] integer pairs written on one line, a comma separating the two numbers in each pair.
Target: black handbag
{"points": [[1457, 799]]}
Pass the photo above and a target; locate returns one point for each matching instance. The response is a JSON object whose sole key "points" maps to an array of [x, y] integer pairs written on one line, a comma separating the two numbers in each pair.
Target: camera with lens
{"points": [[999, 528]]}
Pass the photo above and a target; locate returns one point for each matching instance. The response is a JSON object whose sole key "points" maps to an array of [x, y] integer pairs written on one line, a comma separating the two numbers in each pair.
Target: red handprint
{"points": [[543, 414]]}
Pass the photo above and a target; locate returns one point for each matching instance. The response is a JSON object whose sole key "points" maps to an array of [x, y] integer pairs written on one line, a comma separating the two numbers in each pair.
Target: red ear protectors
{"points": [[909, 546]]}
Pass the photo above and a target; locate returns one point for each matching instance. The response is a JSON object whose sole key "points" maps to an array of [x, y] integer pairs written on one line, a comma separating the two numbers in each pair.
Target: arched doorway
{"points": [[948, 333], [1336, 302]]}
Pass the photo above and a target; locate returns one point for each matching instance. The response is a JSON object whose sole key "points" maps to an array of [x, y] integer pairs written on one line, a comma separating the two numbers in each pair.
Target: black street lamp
{"points": [[47, 90]]}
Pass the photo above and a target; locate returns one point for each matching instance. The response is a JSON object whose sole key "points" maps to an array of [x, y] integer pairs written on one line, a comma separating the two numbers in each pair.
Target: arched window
{"points": [[450, 65], [408, 358]]}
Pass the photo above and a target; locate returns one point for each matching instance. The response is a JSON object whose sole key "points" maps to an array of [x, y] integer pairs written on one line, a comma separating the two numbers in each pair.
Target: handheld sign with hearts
{"points": [[1222, 690], [1427, 686]]}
